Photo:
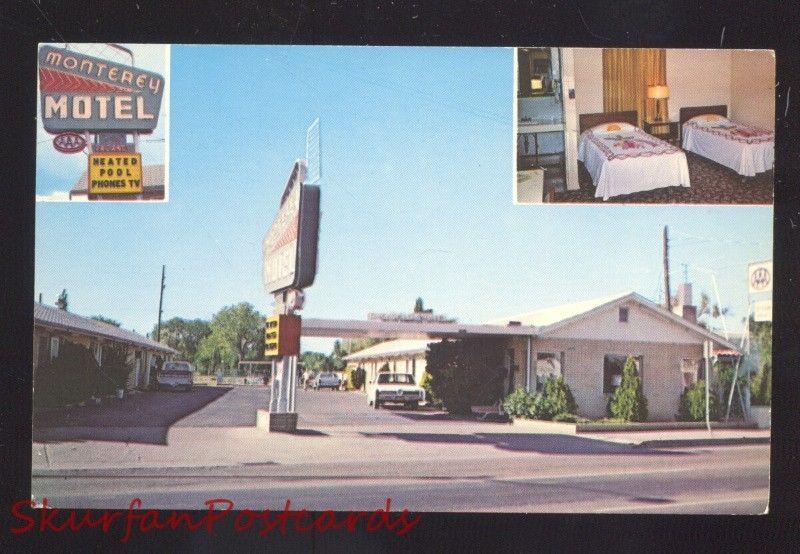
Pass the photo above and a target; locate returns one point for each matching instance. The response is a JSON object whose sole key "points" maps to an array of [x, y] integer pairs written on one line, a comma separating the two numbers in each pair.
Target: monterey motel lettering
{"points": [[83, 93]]}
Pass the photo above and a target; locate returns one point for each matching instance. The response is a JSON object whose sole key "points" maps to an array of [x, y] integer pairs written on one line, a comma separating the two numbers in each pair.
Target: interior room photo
{"points": [[644, 125]]}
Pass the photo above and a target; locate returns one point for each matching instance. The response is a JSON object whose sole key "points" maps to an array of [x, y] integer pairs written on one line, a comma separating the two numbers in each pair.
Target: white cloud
{"points": [[54, 196]]}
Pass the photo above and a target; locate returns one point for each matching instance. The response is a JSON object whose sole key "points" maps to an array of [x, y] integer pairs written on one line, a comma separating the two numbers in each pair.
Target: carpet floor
{"points": [[711, 183]]}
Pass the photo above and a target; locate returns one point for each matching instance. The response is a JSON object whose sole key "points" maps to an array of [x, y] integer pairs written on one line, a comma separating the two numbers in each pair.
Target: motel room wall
{"points": [[661, 372], [694, 78], [753, 88]]}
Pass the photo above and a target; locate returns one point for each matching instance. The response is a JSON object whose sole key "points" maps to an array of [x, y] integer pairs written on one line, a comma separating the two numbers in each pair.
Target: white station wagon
{"points": [[176, 375], [395, 388]]}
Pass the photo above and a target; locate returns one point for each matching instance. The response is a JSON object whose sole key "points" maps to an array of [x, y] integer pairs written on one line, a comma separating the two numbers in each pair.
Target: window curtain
{"points": [[627, 72]]}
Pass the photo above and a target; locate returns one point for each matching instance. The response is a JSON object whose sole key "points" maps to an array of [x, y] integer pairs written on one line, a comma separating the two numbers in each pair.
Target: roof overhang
{"points": [[354, 328]]}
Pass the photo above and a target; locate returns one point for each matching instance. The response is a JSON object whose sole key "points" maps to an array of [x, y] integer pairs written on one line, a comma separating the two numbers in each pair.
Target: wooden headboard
{"points": [[688, 113], [589, 120]]}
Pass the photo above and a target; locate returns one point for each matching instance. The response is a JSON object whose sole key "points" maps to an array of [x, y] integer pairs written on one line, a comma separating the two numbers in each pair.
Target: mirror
{"points": [[537, 72]]}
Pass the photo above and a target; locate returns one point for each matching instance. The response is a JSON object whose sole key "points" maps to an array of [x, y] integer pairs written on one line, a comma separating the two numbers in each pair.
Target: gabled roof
{"points": [[49, 316], [392, 348], [548, 316], [599, 304], [546, 320]]}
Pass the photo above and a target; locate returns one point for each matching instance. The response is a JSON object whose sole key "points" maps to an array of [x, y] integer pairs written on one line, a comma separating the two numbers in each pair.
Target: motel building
{"points": [[586, 343], [52, 327]]}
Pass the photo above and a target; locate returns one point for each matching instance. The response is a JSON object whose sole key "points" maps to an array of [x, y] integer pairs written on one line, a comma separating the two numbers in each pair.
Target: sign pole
{"points": [[707, 356]]}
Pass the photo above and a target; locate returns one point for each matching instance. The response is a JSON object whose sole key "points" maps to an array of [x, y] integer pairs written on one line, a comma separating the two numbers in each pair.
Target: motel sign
{"points": [[83, 93]]}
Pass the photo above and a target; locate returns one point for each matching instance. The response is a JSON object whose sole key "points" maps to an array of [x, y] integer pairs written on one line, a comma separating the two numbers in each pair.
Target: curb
{"points": [[722, 441]]}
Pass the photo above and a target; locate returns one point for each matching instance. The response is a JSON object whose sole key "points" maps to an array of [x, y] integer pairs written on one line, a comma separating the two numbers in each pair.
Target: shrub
{"points": [[72, 377], [540, 408], [693, 403], [357, 378], [628, 401], [466, 372], [568, 418], [427, 383], [518, 403], [725, 373], [558, 396], [114, 369], [761, 386]]}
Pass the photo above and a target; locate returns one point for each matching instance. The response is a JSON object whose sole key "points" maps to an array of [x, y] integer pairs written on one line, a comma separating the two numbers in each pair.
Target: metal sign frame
{"points": [[307, 221]]}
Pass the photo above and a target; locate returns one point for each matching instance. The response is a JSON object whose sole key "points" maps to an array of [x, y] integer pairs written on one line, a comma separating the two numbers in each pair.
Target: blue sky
{"points": [[417, 147]]}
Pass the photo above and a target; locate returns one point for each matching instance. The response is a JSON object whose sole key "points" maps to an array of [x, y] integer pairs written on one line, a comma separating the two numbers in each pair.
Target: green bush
{"points": [[357, 378], [114, 369], [628, 401], [518, 403], [568, 418], [724, 372], [693, 404], [70, 378], [427, 383], [558, 396], [466, 372], [761, 386], [540, 408]]}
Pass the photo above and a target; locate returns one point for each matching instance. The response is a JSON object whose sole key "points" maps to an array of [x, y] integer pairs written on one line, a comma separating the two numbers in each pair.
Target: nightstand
{"points": [[665, 130]]}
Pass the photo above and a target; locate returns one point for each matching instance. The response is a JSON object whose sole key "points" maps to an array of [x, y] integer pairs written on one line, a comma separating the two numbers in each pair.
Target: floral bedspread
{"points": [[631, 144], [738, 132]]}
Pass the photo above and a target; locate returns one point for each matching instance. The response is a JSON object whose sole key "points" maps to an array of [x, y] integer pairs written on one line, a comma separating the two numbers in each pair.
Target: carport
{"points": [[355, 328]]}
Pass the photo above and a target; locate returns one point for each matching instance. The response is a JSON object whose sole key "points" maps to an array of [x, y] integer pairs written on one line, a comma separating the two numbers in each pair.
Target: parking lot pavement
{"points": [[141, 417]]}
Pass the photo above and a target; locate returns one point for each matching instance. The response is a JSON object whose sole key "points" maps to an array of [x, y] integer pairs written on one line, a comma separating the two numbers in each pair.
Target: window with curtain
{"points": [[627, 72]]}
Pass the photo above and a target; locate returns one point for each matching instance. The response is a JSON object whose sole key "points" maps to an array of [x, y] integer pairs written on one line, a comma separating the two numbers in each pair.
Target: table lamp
{"points": [[657, 92]]}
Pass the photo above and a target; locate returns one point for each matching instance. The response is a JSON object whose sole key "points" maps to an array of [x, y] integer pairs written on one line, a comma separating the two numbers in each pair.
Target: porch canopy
{"points": [[355, 328]]}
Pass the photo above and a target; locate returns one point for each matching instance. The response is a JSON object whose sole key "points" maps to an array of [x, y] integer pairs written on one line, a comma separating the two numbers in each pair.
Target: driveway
{"points": [[141, 417]]}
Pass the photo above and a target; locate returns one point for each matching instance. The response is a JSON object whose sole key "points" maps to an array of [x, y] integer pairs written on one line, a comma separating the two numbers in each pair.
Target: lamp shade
{"points": [[658, 91]]}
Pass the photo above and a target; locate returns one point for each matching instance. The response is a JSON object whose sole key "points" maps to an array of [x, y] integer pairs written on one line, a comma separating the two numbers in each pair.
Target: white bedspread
{"points": [[744, 149], [632, 161]]}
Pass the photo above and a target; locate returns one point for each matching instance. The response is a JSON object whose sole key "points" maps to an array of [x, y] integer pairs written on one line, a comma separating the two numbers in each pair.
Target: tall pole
{"points": [[707, 355], [667, 295], [160, 304]]}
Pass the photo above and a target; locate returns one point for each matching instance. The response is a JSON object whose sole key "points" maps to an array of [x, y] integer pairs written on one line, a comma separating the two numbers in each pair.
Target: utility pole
{"points": [[160, 304], [667, 295]]}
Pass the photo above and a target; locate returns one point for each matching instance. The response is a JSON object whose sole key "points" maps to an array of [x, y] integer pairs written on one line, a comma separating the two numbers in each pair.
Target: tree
{"points": [[62, 302], [466, 372], [108, 320], [237, 329], [313, 361], [212, 354], [357, 378], [337, 362], [419, 306], [628, 401], [761, 385], [184, 335], [709, 309]]}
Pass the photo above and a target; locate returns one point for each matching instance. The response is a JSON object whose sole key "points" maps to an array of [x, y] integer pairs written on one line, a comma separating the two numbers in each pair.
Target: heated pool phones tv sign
{"points": [[83, 93], [290, 245]]}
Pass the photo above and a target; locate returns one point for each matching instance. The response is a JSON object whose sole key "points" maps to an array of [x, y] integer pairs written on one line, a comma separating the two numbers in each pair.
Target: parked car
{"points": [[326, 380], [395, 388], [175, 375]]}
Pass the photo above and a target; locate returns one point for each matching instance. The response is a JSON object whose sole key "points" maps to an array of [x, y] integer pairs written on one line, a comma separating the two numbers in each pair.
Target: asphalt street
{"points": [[350, 456]]}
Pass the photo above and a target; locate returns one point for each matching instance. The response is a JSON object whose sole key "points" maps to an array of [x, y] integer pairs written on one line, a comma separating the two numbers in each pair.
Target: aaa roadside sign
{"points": [[117, 173], [759, 277]]}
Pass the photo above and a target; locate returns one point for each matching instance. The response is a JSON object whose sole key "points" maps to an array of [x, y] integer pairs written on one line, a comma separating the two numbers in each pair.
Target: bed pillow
{"points": [[612, 127], [708, 119]]}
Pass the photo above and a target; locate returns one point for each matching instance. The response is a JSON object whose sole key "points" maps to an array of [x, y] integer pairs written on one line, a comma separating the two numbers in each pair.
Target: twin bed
{"points": [[622, 159]]}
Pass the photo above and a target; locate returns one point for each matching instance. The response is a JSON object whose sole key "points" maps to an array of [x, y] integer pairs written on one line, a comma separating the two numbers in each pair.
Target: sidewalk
{"points": [[685, 438], [202, 448]]}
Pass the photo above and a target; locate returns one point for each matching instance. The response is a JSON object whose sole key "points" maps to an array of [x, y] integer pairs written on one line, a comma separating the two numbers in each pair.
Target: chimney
{"points": [[684, 307], [690, 313]]}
